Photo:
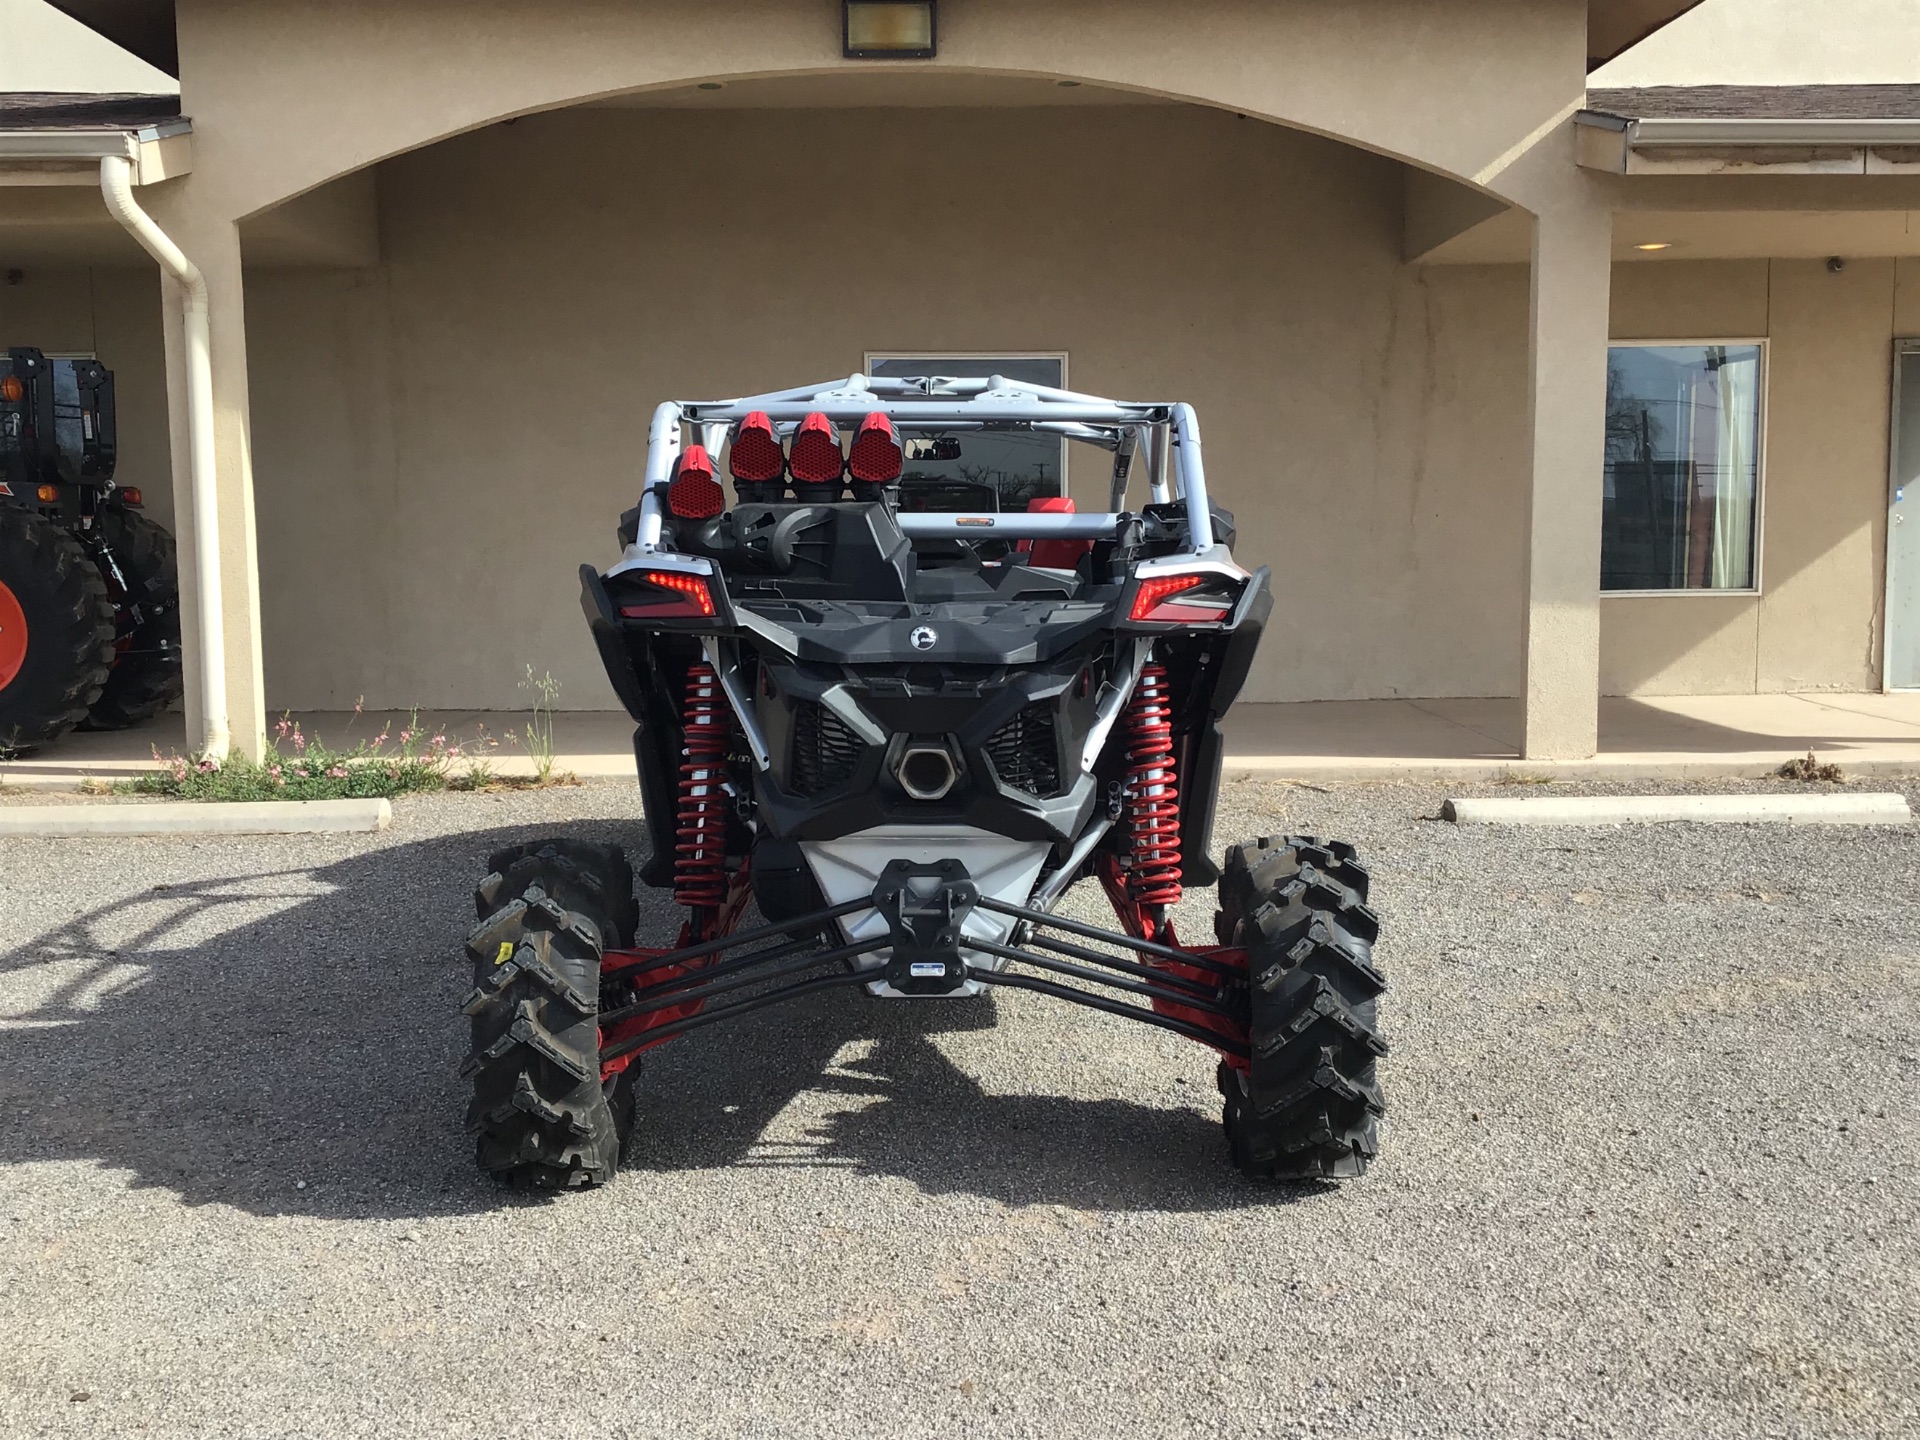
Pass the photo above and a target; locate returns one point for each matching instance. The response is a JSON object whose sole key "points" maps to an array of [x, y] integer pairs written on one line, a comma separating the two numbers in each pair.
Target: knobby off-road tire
{"points": [[1309, 1105], [146, 676], [56, 631], [539, 1116]]}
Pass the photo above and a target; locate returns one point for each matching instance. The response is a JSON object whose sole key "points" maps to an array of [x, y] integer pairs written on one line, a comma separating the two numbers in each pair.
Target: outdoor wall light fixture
{"points": [[887, 29], [1655, 245]]}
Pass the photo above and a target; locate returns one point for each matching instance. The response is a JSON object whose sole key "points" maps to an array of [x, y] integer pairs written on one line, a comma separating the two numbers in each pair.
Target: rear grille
{"points": [[824, 749], [1025, 754]]}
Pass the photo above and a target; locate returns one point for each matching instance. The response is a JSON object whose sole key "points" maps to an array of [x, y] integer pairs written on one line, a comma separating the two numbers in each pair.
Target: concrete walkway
{"points": [[1726, 735]]}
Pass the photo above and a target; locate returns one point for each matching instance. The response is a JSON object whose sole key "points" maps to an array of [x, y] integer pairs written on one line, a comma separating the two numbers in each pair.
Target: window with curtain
{"points": [[1682, 467]]}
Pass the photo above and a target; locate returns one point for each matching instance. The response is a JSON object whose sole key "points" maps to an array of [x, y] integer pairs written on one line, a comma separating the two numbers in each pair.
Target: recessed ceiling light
{"points": [[710, 85], [1068, 84], [1655, 245]]}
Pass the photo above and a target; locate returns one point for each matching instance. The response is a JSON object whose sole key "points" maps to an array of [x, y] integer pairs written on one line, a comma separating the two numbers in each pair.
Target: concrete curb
{"points": [[267, 817], [1841, 809]]}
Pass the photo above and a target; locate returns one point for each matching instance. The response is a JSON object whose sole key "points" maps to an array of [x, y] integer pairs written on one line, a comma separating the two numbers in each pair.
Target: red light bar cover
{"points": [[876, 457], [815, 458], [756, 455], [694, 493]]}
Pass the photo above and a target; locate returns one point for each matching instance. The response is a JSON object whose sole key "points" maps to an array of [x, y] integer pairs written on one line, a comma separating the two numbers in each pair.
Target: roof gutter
{"points": [[1690, 145], [68, 155], [116, 187]]}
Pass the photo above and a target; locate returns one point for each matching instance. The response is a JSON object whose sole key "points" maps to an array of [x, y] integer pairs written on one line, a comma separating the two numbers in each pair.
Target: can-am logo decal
{"points": [[924, 637]]}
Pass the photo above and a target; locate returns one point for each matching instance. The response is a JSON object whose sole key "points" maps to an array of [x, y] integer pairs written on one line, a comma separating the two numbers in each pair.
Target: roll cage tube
{"points": [[1167, 434]]}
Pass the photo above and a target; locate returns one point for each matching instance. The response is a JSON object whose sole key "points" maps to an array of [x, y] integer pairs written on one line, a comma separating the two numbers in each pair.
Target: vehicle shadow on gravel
{"points": [[307, 1063]]}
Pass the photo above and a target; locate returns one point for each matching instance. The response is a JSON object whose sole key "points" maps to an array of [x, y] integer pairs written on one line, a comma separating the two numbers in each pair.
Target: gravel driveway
{"points": [[1649, 1166]]}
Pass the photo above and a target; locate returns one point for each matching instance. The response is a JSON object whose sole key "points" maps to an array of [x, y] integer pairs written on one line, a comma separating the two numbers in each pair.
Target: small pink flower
{"points": [[299, 740], [360, 704], [283, 727], [208, 765], [406, 736], [337, 772]]}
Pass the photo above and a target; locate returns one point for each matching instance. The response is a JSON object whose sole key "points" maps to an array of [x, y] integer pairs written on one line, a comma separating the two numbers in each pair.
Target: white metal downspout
{"points": [[116, 184]]}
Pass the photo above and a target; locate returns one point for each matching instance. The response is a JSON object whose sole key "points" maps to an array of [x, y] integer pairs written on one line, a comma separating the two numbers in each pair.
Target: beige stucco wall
{"points": [[440, 441], [442, 438], [1814, 624]]}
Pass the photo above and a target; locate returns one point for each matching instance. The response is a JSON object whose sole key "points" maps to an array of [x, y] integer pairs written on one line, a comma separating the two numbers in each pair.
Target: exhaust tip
{"points": [[927, 772]]}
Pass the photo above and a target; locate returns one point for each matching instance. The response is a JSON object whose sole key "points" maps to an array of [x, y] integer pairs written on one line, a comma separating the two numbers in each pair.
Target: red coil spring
{"points": [[1153, 798], [700, 831]]}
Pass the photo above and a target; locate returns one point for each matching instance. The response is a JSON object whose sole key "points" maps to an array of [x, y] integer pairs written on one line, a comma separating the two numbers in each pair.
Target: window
{"points": [[1682, 467], [980, 470]]}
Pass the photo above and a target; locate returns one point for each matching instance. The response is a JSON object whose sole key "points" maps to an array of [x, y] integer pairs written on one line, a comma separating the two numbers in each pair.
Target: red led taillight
{"points": [[875, 457], [687, 599], [815, 458], [694, 493], [756, 459], [1169, 599]]}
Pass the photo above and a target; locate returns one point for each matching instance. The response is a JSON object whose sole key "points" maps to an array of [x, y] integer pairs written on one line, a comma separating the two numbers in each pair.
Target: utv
{"points": [[903, 734], [89, 597]]}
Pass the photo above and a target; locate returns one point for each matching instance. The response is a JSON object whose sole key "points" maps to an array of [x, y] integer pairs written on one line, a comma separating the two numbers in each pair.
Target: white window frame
{"points": [[923, 353], [1759, 467]]}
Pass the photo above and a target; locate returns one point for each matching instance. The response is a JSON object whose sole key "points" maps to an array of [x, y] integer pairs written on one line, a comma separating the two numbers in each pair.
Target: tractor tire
{"points": [[1308, 1105], [56, 631], [146, 676], [539, 1117]]}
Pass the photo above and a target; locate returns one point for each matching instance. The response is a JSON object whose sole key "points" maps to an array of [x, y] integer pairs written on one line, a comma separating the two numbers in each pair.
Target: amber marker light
{"points": [[11, 390]]}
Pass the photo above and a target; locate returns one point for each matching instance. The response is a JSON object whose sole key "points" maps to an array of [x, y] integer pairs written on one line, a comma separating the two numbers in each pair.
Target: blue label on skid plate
{"points": [[926, 969]]}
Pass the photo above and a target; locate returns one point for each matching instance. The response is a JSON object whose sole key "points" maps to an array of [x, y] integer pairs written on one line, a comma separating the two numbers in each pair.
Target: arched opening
{"points": [[452, 356]]}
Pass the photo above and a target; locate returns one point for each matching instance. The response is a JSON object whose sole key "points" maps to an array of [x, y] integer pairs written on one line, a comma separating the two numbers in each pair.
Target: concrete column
{"points": [[1567, 364], [215, 247]]}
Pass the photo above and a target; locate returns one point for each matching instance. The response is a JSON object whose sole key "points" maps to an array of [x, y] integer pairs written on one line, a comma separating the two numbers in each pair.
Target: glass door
{"points": [[1902, 663]]}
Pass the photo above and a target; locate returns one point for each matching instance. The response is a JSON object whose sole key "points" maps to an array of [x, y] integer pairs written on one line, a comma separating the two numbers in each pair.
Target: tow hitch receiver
{"points": [[925, 906]]}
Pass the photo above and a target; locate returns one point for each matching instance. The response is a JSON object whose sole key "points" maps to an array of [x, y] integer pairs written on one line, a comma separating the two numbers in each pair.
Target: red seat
{"points": [[1053, 554]]}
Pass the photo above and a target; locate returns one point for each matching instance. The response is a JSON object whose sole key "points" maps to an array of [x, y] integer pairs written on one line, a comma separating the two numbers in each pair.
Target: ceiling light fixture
{"points": [[1655, 245], [887, 29]]}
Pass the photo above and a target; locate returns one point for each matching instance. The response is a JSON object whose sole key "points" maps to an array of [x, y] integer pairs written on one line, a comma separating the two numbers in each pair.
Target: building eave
{"points": [[72, 155]]}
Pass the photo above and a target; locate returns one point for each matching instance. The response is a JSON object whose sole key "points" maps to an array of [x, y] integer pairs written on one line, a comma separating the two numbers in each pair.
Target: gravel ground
{"points": [[1649, 1168]]}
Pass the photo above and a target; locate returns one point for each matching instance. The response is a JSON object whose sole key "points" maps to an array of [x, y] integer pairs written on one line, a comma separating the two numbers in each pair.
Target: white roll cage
{"points": [[1167, 436]]}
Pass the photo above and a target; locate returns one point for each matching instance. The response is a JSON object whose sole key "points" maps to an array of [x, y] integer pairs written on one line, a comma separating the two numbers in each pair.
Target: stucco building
{"points": [[1524, 384]]}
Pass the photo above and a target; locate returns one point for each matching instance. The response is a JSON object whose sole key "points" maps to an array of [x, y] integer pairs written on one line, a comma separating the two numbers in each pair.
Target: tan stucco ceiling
{"points": [[1507, 238], [145, 27]]}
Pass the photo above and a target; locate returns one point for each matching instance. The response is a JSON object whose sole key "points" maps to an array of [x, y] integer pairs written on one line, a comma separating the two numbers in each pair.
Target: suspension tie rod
{"points": [[1114, 1007], [1205, 1004], [735, 980], [1158, 974], [748, 937], [1112, 937], [727, 1012]]}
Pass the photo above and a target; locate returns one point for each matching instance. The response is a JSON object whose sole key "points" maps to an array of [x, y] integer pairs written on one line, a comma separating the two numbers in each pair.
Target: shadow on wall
{"points": [[321, 1047]]}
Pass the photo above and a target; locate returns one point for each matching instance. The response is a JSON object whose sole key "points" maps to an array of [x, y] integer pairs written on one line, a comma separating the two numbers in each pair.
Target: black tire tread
{"points": [[147, 678], [69, 630], [1309, 1104], [584, 876], [539, 1115]]}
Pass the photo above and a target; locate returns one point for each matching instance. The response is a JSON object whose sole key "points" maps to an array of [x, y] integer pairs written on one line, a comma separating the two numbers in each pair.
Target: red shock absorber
{"points": [[700, 830], [1153, 797]]}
